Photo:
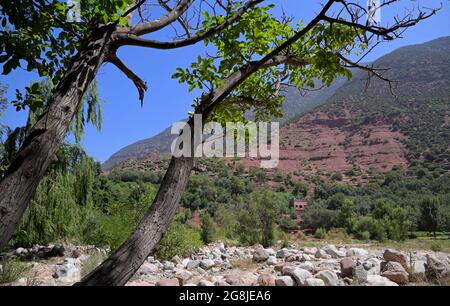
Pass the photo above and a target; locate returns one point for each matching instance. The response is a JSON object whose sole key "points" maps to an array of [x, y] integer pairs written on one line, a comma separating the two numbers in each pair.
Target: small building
{"points": [[299, 206]]}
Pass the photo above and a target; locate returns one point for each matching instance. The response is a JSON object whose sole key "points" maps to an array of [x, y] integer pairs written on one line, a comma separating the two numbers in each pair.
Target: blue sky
{"points": [[125, 121]]}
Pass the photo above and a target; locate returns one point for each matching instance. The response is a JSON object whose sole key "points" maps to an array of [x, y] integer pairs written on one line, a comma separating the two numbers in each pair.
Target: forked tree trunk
{"points": [[38, 151], [123, 264]]}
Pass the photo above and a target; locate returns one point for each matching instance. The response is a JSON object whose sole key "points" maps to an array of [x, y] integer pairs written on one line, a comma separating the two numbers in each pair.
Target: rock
{"points": [[270, 251], [437, 269], [308, 266], [299, 275], [207, 264], [321, 254], [272, 261], [395, 272], [396, 256], [284, 281], [169, 266], [1, 269], [148, 268], [266, 279], [168, 282], [182, 275], [192, 264], [314, 282], [279, 267], [241, 279], [418, 268], [205, 283], [283, 253], [76, 253], [176, 259], [357, 252], [221, 284], [139, 283], [360, 274], [333, 251], [19, 251], [309, 251], [56, 251], [68, 271], [329, 277], [347, 265], [378, 280], [260, 255], [293, 258], [372, 266]]}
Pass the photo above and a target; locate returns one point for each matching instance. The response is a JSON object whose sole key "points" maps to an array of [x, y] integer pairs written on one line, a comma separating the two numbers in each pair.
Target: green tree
{"points": [[430, 214], [207, 228], [255, 50]]}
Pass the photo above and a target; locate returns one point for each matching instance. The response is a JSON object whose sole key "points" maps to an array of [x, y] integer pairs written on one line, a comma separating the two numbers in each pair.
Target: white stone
{"points": [[314, 282], [357, 252], [378, 280], [308, 266], [284, 281], [300, 275]]}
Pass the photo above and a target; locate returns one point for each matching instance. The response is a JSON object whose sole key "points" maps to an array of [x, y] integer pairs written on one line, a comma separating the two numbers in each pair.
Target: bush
{"points": [[207, 228], [12, 270], [317, 216], [180, 239], [320, 233]]}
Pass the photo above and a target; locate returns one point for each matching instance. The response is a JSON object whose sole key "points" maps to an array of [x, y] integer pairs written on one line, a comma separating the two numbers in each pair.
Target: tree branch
{"points": [[157, 24], [133, 39], [138, 82]]}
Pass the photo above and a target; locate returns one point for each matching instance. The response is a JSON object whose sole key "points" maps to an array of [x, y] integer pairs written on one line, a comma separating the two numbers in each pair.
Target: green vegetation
{"points": [[12, 270]]}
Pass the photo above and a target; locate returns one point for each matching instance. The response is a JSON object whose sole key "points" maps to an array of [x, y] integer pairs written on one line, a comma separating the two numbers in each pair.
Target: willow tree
{"points": [[256, 53]]}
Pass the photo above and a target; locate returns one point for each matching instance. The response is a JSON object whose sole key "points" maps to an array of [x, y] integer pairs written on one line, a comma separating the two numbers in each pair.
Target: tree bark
{"points": [[38, 151], [124, 263]]}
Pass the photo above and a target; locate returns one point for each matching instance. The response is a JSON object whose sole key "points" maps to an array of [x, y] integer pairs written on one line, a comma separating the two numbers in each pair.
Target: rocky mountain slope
{"points": [[358, 127]]}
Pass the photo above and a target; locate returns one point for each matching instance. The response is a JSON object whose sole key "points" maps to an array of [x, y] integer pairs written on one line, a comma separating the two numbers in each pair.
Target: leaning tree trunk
{"points": [[38, 151], [123, 264]]}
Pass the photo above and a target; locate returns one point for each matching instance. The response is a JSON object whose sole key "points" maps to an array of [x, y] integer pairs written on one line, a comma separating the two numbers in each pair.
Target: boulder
{"points": [[260, 255], [436, 268], [307, 265], [357, 252], [299, 275], [395, 272], [378, 280], [347, 265], [309, 251], [372, 266], [396, 256], [321, 254], [192, 264], [168, 282], [418, 268], [207, 264], [272, 261], [360, 274], [284, 281], [283, 253], [333, 251], [148, 268], [169, 266], [266, 279], [329, 277], [314, 282], [241, 279]]}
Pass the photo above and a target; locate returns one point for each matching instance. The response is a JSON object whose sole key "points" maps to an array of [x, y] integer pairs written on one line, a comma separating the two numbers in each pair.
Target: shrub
{"points": [[207, 228], [12, 270], [320, 233], [180, 240]]}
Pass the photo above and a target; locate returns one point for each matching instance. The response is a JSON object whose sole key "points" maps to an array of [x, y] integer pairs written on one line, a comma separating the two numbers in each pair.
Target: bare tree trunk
{"points": [[38, 151], [123, 264]]}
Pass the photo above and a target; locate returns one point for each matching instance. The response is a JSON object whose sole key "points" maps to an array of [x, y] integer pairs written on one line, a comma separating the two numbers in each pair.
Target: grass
{"points": [[12, 270], [91, 263]]}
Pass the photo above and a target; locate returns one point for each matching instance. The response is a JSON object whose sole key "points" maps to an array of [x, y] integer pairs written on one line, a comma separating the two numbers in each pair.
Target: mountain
{"points": [[295, 104], [355, 127]]}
